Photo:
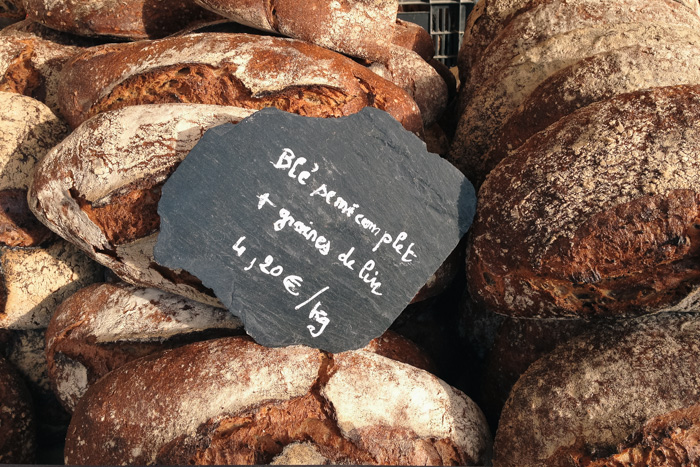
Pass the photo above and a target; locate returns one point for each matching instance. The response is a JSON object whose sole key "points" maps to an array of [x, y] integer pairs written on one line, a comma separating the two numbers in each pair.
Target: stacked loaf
{"points": [[578, 122], [104, 100]]}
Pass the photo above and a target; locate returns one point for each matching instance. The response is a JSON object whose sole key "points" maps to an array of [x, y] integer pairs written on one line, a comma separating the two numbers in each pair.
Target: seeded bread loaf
{"points": [[17, 436], [100, 187], [124, 19], [598, 215], [228, 69], [498, 97], [592, 79], [103, 326], [592, 393], [29, 131], [231, 401], [361, 29]]}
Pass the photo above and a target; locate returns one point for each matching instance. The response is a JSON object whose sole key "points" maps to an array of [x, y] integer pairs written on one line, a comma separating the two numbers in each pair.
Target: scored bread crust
{"points": [[497, 98], [228, 69], [361, 29], [590, 394], [590, 80], [232, 401], [598, 215], [100, 187]]}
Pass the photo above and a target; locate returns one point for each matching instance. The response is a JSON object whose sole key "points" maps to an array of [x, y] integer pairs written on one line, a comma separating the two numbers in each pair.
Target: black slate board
{"points": [[374, 215]]}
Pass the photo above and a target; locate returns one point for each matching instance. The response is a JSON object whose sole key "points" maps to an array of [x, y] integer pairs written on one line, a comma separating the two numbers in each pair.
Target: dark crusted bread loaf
{"points": [[101, 186], [17, 436], [544, 19], [669, 440], [103, 326], [599, 214], [124, 19], [590, 80], [29, 131], [361, 29], [228, 69], [590, 394], [232, 401], [494, 101]]}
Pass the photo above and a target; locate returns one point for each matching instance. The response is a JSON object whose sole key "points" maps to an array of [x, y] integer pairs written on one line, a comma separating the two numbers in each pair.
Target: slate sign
{"points": [[313, 231]]}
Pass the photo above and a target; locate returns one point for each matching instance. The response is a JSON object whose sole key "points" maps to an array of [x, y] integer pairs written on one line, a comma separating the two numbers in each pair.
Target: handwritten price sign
{"points": [[313, 231]]}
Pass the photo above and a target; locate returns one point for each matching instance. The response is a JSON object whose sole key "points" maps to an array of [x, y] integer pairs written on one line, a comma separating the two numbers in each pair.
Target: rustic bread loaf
{"points": [[125, 19], [230, 69], [590, 80], [35, 281], [31, 66], [17, 436], [669, 440], [598, 215], [419, 79], [29, 130], [359, 29], [591, 393], [497, 98], [232, 401], [103, 326], [413, 37], [544, 19], [100, 187]]}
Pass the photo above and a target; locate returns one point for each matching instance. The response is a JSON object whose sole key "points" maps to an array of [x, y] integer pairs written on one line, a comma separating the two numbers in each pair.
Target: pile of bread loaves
{"points": [[579, 122], [101, 101]]}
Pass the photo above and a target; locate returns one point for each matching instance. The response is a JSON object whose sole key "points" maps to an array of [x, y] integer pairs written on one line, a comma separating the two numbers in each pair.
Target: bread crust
{"points": [[590, 394], [17, 436], [228, 69], [598, 215], [361, 29], [232, 401], [125, 19]]}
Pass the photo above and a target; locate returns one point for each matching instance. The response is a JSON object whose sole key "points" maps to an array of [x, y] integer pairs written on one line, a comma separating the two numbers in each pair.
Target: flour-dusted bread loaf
{"points": [[419, 79], [35, 281], [101, 186], [103, 326], [29, 131], [497, 98], [669, 440], [361, 29], [548, 18], [232, 401], [17, 431], [598, 215], [590, 394], [593, 79], [228, 69], [126, 19]]}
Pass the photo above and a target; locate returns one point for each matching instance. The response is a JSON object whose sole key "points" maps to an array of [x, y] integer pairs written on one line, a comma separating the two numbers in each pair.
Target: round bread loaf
{"points": [[103, 326], [124, 19], [232, 401], [544, 19], [17, 435], [361, 29], [590, 394], [101, 186], [598, 215], [228, 69], [593, 79], [498, 97], [669, 440], [29, 130], [35, 281]]}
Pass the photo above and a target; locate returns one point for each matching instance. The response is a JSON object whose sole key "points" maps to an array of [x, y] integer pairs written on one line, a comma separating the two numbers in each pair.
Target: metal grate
{"points": [[445, 20]]}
